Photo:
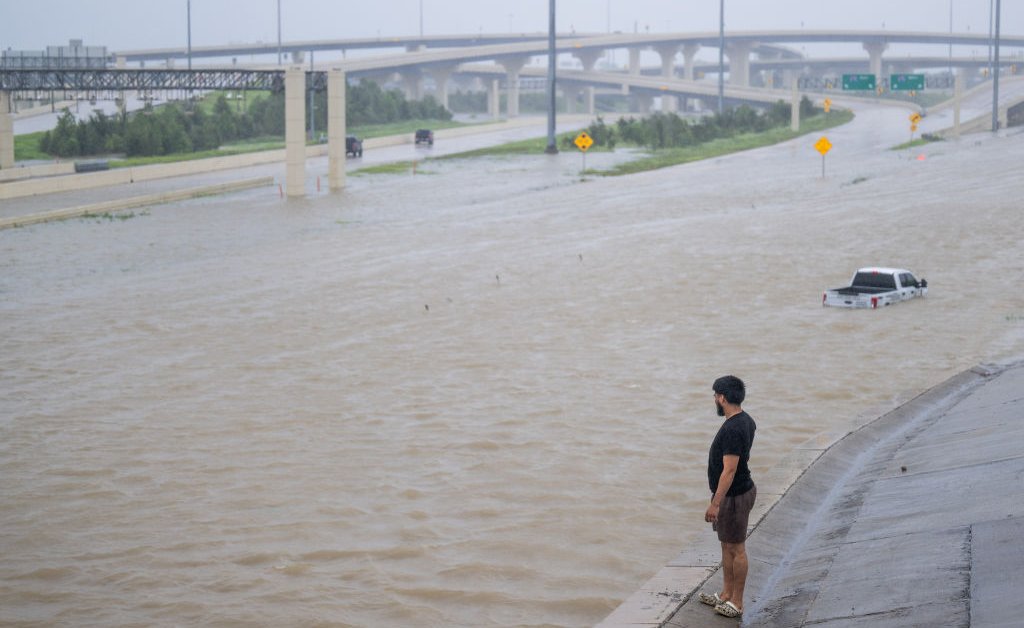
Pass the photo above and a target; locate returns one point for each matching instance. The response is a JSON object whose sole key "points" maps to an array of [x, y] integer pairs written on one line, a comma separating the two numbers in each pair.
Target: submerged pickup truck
{"points": [[876, 287]]}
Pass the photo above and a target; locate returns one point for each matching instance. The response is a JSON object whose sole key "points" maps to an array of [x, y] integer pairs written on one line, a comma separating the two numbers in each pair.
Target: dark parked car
{"points": [[425, 136], [353, 146]]}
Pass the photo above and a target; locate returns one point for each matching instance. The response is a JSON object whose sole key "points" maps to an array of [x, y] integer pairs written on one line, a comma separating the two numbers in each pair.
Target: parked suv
{"points": [[425, 136], [353, 146]]}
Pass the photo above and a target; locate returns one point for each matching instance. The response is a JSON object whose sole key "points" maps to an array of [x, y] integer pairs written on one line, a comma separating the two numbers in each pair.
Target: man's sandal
{"points": [[728, 609], [711, 600]]}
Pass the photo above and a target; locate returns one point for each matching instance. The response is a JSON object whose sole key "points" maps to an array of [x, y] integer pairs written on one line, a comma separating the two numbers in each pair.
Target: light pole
{"points": [[721, 55], [995, 76], [278, 32], [552, 147], [421, 19], [188, 10], [950, 38]]}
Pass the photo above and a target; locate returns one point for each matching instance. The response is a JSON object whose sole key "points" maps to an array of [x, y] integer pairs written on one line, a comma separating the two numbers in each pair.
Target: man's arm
{"points": [[729, 464]]}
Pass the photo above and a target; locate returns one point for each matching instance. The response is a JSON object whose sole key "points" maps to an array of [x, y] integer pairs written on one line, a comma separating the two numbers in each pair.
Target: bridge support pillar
{"points": [[739, 62], [634, 61], [441, 76], [513, 66], [298, 57], [794, 109], [589, 99], [588, 58], [689, 55], [958, 94], [413, 82], [875, 50], [494, 99], [295, 131], [642, 102], [573, 95], [336, 88], [6, 132]]}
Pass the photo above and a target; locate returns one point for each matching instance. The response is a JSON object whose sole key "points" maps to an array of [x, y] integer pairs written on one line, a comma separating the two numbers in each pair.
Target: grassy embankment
{"points": [[653, 159], [26, 147]]}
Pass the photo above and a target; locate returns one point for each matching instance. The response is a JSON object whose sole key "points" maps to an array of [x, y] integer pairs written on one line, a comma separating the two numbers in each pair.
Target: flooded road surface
{"points": [[478, 396]]}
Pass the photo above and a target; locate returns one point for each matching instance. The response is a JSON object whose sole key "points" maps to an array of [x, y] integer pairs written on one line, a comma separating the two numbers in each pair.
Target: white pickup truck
{"points": [[876, 287]]}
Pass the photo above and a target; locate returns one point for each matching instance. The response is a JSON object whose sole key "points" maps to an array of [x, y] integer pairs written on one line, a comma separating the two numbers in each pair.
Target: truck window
{"points": [[875, 280], [907, 280]]}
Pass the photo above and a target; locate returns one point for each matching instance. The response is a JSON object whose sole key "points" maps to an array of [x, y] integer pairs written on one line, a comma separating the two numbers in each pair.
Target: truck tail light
{"points": [[823, 298], [874, 302]]}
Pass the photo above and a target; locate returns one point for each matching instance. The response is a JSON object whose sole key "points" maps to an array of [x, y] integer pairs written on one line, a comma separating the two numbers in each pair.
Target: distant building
{"points": [[74, 56]]}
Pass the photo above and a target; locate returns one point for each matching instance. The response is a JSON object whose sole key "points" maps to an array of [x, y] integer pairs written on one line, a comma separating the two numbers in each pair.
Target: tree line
{"points": [[182, 128], [668, 130]]}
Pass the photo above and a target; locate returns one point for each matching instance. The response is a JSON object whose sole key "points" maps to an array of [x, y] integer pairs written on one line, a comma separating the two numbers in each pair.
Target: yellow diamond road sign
{"points": [[823, 145], [828, 104], [915, 118], [583, 141]]}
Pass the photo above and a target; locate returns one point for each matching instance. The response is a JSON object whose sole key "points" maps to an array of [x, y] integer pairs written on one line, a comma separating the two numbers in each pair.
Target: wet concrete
{"points": [[914, 520]]}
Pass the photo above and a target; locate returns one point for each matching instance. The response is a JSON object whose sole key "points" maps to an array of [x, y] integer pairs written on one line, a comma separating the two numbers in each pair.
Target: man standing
{"points": [[732, 492]]}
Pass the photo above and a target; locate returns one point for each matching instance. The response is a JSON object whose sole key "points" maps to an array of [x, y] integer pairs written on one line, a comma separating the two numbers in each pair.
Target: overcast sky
{"points": [[133, 24]]}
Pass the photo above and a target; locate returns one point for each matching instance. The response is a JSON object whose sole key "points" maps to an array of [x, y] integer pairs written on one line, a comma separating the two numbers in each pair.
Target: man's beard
{"points": [[721, 410]]}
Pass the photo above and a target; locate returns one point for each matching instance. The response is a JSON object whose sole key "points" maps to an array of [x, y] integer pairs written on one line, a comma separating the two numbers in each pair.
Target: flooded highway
{"points": [[476, 396]]}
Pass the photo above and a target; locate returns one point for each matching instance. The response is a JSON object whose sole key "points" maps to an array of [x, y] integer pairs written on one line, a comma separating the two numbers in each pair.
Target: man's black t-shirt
{"points": [[734, 438]]}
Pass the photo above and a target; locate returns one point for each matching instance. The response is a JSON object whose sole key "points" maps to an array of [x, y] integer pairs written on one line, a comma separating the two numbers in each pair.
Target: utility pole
{"points": [[189, 14], [278, 32], [721, 56], [552, 147], [421, 19], [995, 76]]}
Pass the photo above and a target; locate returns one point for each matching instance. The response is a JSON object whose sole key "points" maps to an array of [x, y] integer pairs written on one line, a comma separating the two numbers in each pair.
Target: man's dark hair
{"points": [[732, 387]]}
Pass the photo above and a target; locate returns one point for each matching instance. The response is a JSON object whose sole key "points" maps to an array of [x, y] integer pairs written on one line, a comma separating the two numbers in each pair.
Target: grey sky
{"points": [[131, 24]]}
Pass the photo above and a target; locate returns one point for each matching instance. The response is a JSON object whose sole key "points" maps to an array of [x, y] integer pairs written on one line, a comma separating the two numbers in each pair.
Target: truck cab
{"points": [[874, 287]]}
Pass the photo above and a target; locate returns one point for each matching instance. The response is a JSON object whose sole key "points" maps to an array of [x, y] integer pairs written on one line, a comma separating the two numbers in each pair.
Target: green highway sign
{"points": [[859, 81], [906, 82]]}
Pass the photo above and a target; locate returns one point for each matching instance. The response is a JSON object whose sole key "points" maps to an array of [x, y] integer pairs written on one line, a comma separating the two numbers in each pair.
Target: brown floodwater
{"points": [[477, 396]]}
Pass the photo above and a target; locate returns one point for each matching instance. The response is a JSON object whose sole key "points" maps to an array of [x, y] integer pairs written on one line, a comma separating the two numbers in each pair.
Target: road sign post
{"points": [[823, 146], [583, 142]]}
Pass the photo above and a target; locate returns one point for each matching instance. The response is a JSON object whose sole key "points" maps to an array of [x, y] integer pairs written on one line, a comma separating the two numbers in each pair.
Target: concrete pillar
{"points": [[668, 58], [689, 55], [513, 66], [494, 99], [295, 131], [789, 78], [794, 106], [634, 61], [336, 88], [958, 94], [588, 58], [298, 57], [590, 100], [875, 50], [642, 102], [6, 132], [412, 79], [441, 75], [572, 94], [739, 62]]}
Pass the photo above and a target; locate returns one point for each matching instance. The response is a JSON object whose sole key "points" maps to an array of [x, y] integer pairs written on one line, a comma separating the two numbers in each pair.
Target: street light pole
{"points": [[189, 13], [721, 55], [995, 76], [278, 32], [552, 147], [421, 19]]}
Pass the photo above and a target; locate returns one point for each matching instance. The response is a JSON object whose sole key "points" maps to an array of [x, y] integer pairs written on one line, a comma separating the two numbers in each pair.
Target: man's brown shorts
{"points": [[733, 516]]}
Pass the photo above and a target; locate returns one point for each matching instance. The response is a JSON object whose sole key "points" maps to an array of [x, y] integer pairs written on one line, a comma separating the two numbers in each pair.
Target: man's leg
{"points": [[734, 572], [727, 573]]}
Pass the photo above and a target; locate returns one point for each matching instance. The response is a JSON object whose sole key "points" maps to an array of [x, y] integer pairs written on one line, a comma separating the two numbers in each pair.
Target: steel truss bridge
{"points": [[26, 82]]}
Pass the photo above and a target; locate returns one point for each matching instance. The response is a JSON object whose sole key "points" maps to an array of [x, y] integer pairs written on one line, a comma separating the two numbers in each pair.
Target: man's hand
{"points": [[711, 515]]}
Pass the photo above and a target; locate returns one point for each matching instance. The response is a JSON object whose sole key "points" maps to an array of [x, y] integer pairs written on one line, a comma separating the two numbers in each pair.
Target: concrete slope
{"points": [[917, 519]]}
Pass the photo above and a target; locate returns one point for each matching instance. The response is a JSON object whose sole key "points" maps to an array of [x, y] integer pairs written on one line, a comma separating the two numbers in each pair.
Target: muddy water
{"points": [[474, 397]]}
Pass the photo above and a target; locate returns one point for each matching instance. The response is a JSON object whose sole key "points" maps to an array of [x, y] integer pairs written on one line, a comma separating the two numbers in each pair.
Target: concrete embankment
{"points": [[916, 519], [134, 201]]}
